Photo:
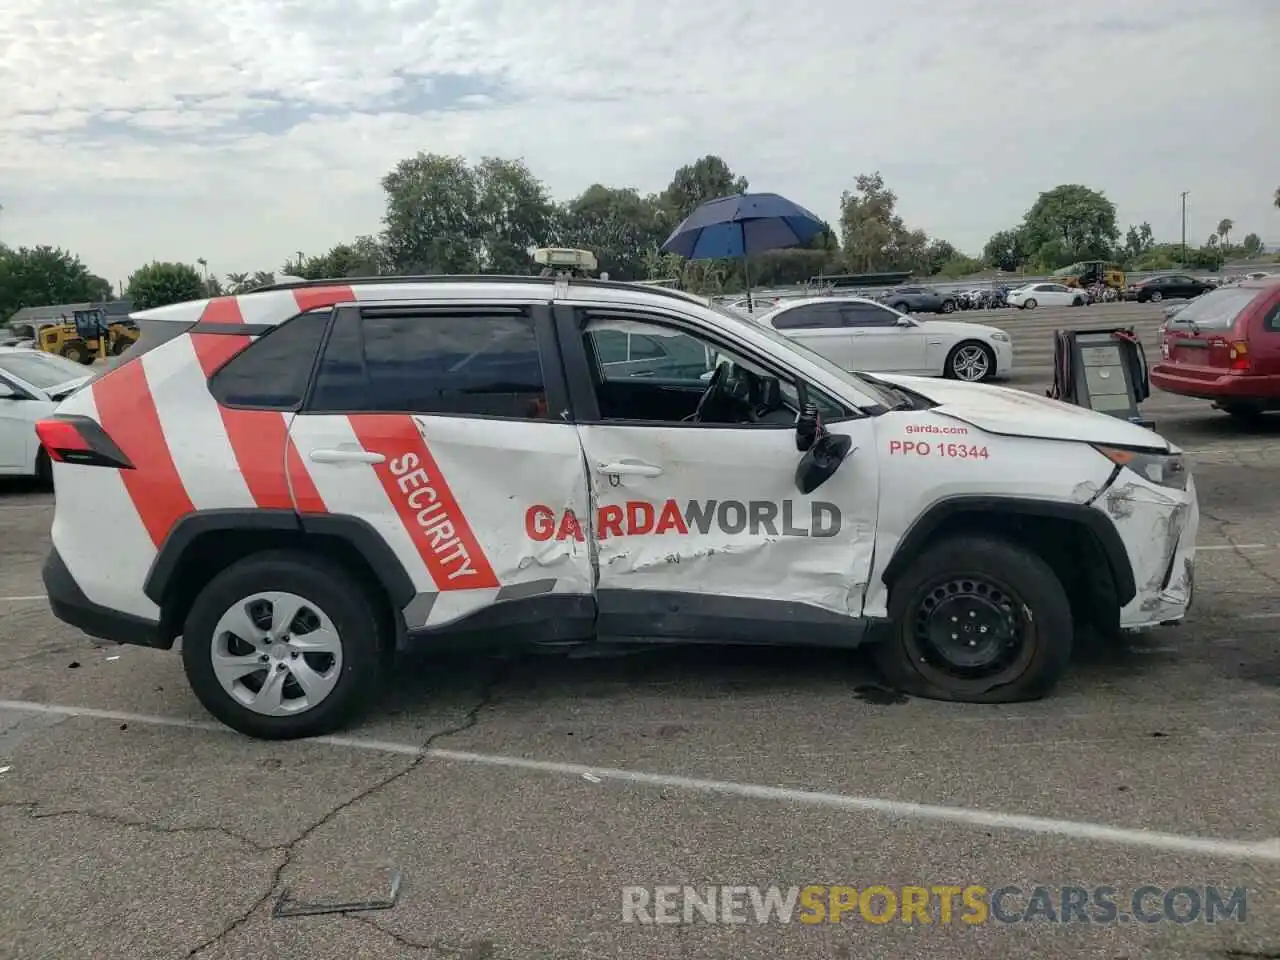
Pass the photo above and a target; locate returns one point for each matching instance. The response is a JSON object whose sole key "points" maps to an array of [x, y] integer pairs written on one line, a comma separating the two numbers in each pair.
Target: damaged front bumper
{"points": [[1158, 525]]}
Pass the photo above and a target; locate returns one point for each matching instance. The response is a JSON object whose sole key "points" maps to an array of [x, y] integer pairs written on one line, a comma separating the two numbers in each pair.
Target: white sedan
{"points": [[862, 335], [32, 384], [1047, 295]]}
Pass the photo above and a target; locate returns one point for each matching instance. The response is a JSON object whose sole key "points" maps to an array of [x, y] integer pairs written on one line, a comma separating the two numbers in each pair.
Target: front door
{"points": [[698, 529], [878, 343], [17, 426], [440, 426]]}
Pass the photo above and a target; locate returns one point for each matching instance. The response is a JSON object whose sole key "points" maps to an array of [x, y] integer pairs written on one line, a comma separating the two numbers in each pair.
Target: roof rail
{"points": [[479, 278]]}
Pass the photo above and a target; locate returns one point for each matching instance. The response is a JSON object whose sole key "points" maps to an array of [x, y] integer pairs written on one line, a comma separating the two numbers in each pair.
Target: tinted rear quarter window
{"points": [[272, 372], [431, 362], [810, 317]]}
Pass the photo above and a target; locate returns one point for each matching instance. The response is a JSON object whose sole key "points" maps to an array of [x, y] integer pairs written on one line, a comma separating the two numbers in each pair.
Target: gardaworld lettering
{"points": [[433, 523], [638, 518]]}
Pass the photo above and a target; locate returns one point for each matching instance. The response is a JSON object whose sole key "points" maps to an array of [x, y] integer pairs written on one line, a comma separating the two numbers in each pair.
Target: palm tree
{"points": [[1225, 227], [239, 282]]}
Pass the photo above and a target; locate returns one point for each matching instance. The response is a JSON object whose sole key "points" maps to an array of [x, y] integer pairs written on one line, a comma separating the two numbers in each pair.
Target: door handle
{"points": [[624, 468], [346, 456]]}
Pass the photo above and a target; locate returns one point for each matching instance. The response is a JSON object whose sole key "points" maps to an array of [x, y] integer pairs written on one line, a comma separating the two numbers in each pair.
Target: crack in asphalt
{"points": [[34, 813], [487, 698], [467, 950], [1250, 562]]}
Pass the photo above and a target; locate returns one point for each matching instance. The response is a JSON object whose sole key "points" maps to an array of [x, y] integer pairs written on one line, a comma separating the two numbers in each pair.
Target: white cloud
{"points": [[137, 132]]}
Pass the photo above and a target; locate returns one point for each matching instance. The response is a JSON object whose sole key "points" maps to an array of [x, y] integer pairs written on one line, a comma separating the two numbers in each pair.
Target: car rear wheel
{"points": [[1156, 296], [971, 361], [1245, 413], [1029, 304], [977, 620], [283, 645], [1078, 302], [901, 307], [948, 306]]}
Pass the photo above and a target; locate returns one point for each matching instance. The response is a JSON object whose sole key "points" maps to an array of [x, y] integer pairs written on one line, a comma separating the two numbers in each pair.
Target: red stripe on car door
{"points": [[127, 412], [424, 501]]}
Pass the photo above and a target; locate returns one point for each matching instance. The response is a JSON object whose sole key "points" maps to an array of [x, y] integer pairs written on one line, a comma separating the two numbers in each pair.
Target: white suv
{"points": [[302, 480]]}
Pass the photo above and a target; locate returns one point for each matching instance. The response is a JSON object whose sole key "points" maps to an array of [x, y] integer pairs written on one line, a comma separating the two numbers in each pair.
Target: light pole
{"points": [[1184, 225]]}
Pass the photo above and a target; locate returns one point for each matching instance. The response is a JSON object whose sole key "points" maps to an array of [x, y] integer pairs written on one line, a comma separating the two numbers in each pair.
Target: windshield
{"points": [[41, 370], [879, 393], [1216, 310]]}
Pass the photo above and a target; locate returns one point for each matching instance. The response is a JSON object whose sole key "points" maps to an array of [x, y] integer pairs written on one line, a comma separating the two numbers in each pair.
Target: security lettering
{"points": [[953, 451], [432, 519], [637, 518]]}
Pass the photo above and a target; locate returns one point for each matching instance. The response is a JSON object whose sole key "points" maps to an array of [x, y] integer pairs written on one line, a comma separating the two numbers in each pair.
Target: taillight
{"points": [[1238, 354], [80, 440]]}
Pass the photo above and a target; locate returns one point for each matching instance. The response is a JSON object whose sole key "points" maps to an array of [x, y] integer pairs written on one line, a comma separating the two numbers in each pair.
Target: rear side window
{"points": [[1215, 310], [811, 317], [272, 372], [395, 360], [1271, 322]]}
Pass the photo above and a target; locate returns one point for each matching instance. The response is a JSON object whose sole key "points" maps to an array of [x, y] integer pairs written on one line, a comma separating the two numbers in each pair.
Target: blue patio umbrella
{"points": [[743, 225]]}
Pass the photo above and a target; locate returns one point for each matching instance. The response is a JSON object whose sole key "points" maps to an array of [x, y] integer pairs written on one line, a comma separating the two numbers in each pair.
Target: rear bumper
{"points": [[1228, 386], [71, 606]]}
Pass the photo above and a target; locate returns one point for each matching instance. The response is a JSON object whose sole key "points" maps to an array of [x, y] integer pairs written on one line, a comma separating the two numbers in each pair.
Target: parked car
{"points": [[1225, 347], [304, 480], [919, 300], [856, 333], [1156, 289], [1047, 295], [32, 383]]}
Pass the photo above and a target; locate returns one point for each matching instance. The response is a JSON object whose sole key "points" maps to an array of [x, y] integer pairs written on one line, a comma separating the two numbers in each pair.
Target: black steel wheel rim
{"points": [[969, 630]]}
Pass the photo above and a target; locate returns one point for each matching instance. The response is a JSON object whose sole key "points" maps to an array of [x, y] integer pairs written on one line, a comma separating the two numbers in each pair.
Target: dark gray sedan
{"points": [[919, 300]]}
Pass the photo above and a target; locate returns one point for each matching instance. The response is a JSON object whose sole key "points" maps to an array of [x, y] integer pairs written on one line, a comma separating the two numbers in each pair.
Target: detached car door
{"points": [[698, 529], [435, 425]]}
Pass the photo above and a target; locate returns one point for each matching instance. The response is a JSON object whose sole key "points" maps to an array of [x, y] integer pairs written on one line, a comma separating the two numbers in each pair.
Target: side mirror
{"points": [[906, 322], [821, 461]]}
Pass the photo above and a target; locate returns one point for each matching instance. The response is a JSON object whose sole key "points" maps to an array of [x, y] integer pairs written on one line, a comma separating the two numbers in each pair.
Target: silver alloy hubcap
{"points": [[277, 654], [970, 363]]}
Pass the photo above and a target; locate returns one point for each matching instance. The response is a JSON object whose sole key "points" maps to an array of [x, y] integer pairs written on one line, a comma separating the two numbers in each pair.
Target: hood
{"points": [[1009, 412], [957, 328]]}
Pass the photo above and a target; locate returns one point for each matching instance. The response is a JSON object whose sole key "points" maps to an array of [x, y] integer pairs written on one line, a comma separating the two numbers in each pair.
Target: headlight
{"points": [[1002, 337], [1166, 469]]}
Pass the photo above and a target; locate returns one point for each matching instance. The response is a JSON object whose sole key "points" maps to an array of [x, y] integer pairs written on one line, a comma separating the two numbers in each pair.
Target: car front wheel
{"points": [[948, 306], [283, 645], [1156, 297], [977, 620], [1028, 304], [971, 361]]}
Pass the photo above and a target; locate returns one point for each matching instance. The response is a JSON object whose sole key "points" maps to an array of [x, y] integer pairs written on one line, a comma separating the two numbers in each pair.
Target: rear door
{"points": [[435, 425]]}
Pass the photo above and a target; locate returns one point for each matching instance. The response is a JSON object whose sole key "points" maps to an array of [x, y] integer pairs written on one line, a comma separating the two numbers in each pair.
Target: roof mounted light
{"points": [[566, 259]]}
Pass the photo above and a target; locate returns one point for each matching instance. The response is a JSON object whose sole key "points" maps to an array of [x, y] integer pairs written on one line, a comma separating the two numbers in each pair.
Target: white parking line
{"points": [[34, 596], [1263, 851]]}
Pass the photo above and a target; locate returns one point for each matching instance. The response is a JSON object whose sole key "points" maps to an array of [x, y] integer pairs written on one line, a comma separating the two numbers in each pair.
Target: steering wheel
{"points": [[713, 391]]}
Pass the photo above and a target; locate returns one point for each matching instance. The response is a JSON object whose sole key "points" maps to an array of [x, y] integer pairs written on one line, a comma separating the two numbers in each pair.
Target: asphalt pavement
{"points": [[518, 797]]}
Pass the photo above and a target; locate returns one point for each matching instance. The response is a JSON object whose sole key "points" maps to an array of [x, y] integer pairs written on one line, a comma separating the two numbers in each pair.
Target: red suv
{"points": [[1225, 347]]}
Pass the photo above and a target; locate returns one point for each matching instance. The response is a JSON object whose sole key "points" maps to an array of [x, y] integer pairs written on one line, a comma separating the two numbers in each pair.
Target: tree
{"points": [[705, 179], [160, 284], [44, 276], [364, 257], [1276, 199], [616, 224], [238, 283], [1138, 241], [513, 215], [431, 211], [1007, 250], [1069, 223], [1251, 246], [1225, 227]]}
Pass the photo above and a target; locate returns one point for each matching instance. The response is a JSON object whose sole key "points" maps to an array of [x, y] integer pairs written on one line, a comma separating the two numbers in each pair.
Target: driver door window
{"points": [[667, 374]]}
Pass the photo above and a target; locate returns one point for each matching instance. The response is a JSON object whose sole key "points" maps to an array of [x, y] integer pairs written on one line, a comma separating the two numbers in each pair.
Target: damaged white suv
{"points": [[302, 480]]}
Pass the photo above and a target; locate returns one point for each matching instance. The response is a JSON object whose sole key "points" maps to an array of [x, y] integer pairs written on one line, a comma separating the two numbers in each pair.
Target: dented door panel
{"points": [[720, 514]]}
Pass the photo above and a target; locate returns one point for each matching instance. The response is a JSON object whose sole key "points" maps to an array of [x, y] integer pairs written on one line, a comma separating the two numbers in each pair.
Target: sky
{"points": [[245, 131]]}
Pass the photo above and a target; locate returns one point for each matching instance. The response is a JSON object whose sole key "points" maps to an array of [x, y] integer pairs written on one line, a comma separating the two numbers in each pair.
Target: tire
{"points": [[948, 306], [119, 346], [963, 362], [901, 307], [1007, 584], [1029, 304], [347, 681], [44, 470], [77, 354], [1244, 413], [1078, 302], [1156, 297]]}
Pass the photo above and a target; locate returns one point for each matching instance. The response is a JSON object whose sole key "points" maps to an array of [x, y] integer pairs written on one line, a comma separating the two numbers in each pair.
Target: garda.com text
{"points": [[933, 904]]}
